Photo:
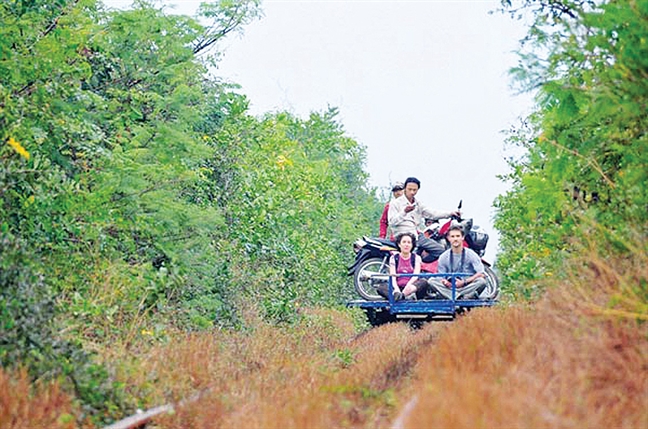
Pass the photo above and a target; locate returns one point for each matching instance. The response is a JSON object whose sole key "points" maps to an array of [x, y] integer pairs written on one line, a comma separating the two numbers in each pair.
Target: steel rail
{"points": [[141, 418]]}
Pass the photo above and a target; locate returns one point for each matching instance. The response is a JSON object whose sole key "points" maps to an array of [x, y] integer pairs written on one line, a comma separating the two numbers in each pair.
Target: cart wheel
{"points": [[378, 317]]}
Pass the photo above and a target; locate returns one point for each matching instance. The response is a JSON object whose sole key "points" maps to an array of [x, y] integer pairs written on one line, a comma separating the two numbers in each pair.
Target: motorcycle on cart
{"points": [[371, 269]]}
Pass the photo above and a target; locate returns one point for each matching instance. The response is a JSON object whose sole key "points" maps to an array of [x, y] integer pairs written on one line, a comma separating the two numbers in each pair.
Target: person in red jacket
{"points": [[397, 191]]}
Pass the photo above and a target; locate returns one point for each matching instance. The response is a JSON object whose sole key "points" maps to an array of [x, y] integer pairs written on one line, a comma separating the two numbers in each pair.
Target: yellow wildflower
{"points": [[18, 148], [29, 201], [282, 162]]}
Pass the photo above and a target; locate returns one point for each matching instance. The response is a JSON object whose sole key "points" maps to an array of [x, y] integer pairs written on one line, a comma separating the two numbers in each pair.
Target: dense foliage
{"points": [[583, 174], [137, 194]]}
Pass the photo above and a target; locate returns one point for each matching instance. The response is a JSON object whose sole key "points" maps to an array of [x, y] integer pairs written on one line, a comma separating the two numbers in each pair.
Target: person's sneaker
{"points": [[434, 295], [398, 296]]}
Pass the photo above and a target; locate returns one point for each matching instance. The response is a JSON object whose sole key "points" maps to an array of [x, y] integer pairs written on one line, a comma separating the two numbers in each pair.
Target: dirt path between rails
{"points": [[287, 381]]}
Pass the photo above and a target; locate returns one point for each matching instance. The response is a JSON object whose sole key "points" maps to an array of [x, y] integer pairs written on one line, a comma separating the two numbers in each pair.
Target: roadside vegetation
{"points": [[563, 361], [158, 243]]}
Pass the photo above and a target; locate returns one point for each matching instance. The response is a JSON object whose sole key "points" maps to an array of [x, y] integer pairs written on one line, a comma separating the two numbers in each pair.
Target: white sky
{"points": [[422, 84]]}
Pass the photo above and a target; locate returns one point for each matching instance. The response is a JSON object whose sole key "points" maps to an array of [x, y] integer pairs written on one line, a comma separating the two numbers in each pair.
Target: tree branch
{"points": [[591, 162]]}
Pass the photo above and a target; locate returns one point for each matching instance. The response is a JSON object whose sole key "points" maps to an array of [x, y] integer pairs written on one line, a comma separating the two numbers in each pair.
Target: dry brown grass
{"points": [[318, 374], [24, 406], [577, 358], [519, 368]]}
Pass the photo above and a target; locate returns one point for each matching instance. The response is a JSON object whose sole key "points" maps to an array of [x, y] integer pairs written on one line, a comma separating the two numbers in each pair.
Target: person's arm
{"points": [[397, 211], [470, 279], [437, 214], [417, 268], [392, 272], [474, 262], [392, 266], [383, 222], [476, 266], [444, 267]]}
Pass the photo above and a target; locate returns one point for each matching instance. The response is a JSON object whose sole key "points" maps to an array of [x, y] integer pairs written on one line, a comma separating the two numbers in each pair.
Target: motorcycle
{"points": [[370, 268]]}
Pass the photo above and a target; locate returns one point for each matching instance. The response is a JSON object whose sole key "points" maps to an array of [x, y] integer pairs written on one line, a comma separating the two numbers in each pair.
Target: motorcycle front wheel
{"points": [[492, 287], [369, 274]]}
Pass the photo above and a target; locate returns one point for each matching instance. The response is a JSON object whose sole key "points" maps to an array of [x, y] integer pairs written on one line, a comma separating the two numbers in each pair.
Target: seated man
{"points": [[459, 259]]}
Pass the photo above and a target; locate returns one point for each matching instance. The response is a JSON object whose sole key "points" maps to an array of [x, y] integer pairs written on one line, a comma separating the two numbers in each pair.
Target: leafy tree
{"points": [[226, 16], [585, 145], [99, 155], [138, 195], [299, 200]]}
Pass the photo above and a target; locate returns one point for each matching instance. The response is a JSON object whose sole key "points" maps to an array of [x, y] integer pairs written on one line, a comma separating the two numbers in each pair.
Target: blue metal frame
{"points": [[424, 306]]}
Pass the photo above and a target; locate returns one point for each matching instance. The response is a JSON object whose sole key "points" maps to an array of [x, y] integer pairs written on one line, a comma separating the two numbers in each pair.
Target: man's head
{"points": [[412, 185], [455, 236], [397, 189]]}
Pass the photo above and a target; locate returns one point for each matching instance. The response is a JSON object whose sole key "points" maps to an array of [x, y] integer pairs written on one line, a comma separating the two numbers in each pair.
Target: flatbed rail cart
{"points": [[419, 310]]}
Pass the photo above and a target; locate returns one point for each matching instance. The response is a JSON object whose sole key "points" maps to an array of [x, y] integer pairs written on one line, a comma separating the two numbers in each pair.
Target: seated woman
{"points": [[405, 262]]}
